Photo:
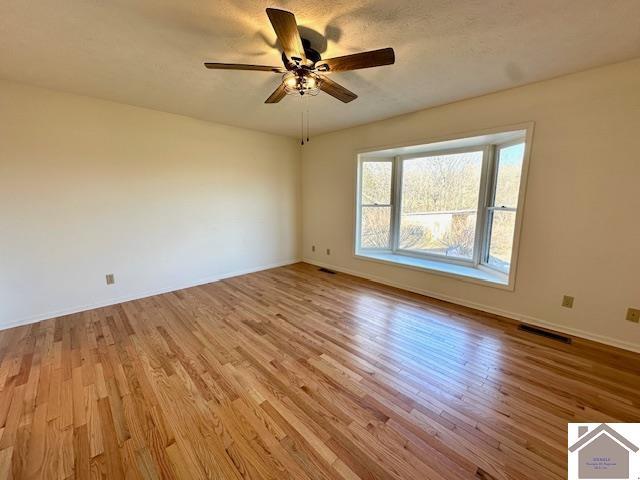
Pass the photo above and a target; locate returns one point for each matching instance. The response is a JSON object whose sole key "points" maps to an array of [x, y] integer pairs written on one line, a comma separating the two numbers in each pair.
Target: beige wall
{"points": [[89, 187], [581, 228]]}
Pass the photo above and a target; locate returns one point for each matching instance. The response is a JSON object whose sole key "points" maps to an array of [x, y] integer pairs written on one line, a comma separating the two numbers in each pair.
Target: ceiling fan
{"points": [[304, 67]]}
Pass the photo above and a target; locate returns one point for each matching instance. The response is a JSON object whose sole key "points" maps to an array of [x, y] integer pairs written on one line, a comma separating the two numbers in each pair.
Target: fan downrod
{"points": [[313, 56]]}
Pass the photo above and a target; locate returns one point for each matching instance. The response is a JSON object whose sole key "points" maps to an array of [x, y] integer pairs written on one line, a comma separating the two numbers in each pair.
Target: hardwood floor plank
{"points": [[291, 373]]}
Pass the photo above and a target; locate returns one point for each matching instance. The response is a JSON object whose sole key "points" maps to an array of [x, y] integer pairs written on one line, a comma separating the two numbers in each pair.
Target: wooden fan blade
{"points": [[374, 58], [277, 95], [241, 66], [286, 28], [336, 90]]}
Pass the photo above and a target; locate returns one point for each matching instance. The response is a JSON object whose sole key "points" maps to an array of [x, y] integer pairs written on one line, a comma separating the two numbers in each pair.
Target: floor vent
{"points": [[544, 333], [326, 270]]}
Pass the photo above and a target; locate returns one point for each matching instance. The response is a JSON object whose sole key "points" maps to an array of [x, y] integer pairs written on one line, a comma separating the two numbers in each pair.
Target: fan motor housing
{"points": [[312, 55]]}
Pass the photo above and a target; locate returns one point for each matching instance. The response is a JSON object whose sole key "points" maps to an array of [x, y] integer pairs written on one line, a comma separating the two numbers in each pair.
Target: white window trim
{"points": [[476, 270]]}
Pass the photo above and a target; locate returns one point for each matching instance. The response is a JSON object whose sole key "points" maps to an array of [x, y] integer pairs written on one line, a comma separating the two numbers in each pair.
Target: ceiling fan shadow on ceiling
{"points": [[304, 70]]}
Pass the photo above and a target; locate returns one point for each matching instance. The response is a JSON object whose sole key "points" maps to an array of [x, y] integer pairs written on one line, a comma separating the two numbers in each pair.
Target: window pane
{"points": [[449, 234], [376, 183], [508, 178], [503, 224], [439, 204], [376, 227]]}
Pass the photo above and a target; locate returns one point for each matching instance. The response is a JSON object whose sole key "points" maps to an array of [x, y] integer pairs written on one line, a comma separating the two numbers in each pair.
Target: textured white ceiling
{"points": [[150, 52]]}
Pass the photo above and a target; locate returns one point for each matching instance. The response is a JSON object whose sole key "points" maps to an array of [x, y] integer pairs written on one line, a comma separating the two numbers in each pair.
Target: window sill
{"points": [[483, 276]]}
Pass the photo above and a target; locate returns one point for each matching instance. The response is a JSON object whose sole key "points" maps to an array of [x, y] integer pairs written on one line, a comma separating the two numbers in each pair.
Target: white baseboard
{"points": [[486, 308], [139, 295]]}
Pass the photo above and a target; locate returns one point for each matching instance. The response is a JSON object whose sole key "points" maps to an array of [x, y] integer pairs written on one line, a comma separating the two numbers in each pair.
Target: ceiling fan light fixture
{"points": [[301, 82], [305, 66]]}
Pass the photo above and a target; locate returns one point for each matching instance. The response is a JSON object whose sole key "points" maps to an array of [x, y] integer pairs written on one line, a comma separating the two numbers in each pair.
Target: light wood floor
{"points": [[294, 373]]}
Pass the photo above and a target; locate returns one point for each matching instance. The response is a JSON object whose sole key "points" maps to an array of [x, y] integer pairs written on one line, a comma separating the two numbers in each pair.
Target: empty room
{"points": [[376, 240]]}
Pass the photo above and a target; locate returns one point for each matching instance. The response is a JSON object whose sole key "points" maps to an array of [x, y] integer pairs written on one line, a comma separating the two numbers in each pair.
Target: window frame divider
{"points": [[396, 195]]}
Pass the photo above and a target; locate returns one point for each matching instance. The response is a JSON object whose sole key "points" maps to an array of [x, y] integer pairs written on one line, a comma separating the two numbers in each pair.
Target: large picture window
{"points": [[439, 203], [456, 205]]}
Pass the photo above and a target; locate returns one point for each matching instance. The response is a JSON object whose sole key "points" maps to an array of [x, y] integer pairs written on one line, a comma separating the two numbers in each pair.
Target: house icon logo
{"points": [[604, 451]]}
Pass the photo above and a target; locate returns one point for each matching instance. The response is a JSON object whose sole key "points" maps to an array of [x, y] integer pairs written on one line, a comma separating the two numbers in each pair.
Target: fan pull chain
{"points": [[301, 122], [305, 106]]}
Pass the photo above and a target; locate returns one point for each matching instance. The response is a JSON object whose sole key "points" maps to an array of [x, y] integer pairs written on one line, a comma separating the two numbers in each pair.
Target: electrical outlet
{"points": [[633, 315], [110, 279], [567, 301], [328, 251], [313, 248]]}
